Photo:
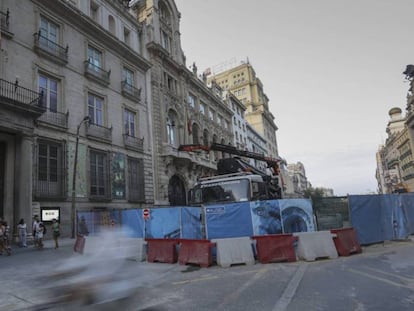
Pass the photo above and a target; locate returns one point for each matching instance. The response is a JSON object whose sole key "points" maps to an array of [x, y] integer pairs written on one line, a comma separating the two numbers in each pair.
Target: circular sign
{"points": [[146, 213]]}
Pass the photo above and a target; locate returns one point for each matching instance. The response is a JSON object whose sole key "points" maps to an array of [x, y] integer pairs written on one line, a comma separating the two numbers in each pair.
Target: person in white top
{"points": [[22, 229], [39, 235], [35, 227]]}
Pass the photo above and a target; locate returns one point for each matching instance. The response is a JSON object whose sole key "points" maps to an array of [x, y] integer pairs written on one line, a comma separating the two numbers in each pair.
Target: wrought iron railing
{"points": [[130, 90], [135, 143], [98, 131], [15, 93], [51, 189], [50, 46], [92, 70], [55, 118], [5, 20]]}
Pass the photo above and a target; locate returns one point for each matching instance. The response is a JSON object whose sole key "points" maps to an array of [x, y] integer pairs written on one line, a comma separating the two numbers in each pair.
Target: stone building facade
{"points": [[256, 143], [242, 81], [297, 181], [184, 109], [395, 160], [239, 123], [74, 76]]}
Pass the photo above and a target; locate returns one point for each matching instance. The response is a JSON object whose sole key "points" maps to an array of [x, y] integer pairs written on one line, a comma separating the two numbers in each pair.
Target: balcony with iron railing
{"points": [[5, 24], [15, 95], [392, 163], [130, 91], [99, 132], [54, 118], [50, 49], [133, 143], [96, 73], [51, 189]]}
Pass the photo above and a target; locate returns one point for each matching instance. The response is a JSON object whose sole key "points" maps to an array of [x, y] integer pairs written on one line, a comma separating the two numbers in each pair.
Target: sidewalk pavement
{"points": [[25, 274], [48, 244]]}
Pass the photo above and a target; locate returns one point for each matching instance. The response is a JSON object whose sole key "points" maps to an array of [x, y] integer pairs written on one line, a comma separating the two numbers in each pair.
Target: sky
{"points": [[332, 69]]}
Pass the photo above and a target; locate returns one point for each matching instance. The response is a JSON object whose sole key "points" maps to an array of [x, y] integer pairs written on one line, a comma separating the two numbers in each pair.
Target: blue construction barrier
{"points": [[191, 223], [134, 222], [297, 215], [266, 217], [221, 220], [259, 218], [228, 220], [378, 218], [97, 220], [171, 222]]}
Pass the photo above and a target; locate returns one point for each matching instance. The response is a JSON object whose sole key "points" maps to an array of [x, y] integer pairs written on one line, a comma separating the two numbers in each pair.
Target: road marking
{"points": [[234, 295], [380, 279], [290, 290], [195, 280], [409, 280]]}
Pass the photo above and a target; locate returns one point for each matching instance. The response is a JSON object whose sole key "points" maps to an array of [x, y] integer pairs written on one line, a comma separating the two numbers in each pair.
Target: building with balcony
{"points": [[239, 123], [297, 182], [72, 61], [395, 161], [184, 109], [241, 80], [256, 143]]}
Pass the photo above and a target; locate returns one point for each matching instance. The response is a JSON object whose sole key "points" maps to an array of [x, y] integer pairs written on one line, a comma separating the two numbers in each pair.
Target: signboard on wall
{"points": [[48, 213]]}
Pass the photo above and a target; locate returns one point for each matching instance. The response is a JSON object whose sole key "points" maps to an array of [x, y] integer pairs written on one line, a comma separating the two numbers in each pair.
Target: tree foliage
{"points": [[313, 193]]}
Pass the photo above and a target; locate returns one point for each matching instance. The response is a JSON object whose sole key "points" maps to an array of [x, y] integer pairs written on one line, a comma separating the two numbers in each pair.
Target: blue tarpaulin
{"points": [[259, 218], [266, 217], [297, 215], [191, 227], [163, 223], [98, 220], [134, 221], [221, 220], [378, 218], [408, 206], [228, 220]]}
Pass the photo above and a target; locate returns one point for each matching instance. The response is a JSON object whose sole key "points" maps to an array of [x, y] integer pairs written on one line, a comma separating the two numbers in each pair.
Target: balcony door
{"points": [[49, 34]]}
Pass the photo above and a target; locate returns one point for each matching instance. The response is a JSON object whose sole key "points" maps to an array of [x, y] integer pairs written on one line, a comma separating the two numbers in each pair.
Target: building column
{"points": [[23, 182]]}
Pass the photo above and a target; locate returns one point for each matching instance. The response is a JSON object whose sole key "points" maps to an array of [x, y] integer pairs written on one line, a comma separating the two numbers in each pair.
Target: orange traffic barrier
{"points": [[346, 242], [275, 248], [197, 252], [162, 250]]}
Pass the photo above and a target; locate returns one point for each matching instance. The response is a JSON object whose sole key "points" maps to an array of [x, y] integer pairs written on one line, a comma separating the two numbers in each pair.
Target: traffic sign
{"points": [[146, 213]]}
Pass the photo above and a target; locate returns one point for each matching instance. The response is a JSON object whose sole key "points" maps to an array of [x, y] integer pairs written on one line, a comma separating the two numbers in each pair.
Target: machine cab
{"points": [[228, 188]]}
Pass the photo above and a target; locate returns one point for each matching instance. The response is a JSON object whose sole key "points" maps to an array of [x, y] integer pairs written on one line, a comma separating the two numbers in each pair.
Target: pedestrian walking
{"points": [[56, 232], [39, 235], [83, 228], [5, 231], [22, 229], [35, 228], [1, 236]]}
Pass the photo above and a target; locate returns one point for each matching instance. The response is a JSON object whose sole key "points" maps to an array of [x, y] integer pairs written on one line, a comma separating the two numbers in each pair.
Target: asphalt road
{"points": [[381, 278]]}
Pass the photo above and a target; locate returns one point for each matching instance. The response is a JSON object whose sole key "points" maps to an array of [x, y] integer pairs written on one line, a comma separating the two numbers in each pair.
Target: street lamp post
{"points": [[75, 164]]}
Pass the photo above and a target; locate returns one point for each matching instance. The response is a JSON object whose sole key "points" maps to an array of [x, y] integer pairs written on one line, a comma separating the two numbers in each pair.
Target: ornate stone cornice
{"points": [[157, 50]]}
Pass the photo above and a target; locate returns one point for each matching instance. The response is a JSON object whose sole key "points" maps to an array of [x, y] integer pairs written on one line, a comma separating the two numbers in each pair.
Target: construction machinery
{"points": [[236, 179]]}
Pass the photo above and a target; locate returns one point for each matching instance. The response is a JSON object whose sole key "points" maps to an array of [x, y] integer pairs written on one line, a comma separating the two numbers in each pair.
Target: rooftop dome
{"points": [[395, 110]]}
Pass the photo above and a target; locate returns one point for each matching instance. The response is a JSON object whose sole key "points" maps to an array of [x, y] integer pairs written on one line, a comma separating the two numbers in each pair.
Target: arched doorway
{"points": [[176, 192]]}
